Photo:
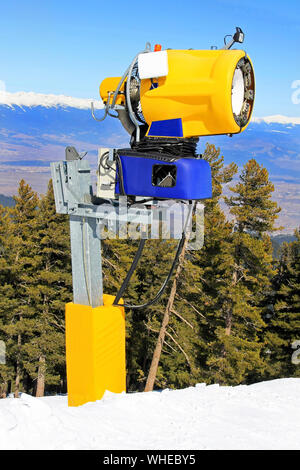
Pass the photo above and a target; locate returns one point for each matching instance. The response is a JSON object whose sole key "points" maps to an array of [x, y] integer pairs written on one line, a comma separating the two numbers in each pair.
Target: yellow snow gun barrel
{"points": [[184, 93]]}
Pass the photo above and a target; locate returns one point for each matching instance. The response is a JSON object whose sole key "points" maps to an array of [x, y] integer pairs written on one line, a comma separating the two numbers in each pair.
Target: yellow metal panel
{"points": [[109, 85], [95, 351], [197, 89]]}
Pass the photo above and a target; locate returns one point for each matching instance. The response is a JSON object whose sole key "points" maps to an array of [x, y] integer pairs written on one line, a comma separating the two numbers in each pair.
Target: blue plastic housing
{"points": [[167, 128], [193, 178]]}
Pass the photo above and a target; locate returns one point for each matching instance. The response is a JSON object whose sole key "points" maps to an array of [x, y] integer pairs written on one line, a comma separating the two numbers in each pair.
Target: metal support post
{"points": [[86, 261]]}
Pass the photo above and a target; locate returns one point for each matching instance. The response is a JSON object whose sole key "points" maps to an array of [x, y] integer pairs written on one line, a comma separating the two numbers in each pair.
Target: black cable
{"points": [[131, 271], [103, 162], [144, 201], [227, 36], [164, 285], [120, 174], [169, 146]]}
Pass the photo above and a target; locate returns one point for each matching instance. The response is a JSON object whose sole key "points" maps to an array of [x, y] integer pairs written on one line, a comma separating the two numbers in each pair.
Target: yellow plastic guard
{"points": [[95, 351]]}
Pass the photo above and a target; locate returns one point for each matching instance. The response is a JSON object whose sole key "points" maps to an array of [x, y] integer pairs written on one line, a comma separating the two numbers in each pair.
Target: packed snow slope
{"points": [[261, 416]]}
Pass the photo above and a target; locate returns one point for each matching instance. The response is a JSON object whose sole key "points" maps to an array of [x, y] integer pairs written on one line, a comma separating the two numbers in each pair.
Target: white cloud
{"points": [[22, 98]]}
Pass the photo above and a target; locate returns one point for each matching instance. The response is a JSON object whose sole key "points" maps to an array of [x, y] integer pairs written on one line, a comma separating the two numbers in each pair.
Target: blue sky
{"points": [[68, 47]]}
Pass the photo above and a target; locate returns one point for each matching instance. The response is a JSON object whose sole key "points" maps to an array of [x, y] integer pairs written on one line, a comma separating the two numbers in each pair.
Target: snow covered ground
{"points": [[261, 416]]}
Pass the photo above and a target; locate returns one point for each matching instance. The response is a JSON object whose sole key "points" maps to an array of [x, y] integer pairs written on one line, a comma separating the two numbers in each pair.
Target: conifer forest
{"points": [[230, 314]]}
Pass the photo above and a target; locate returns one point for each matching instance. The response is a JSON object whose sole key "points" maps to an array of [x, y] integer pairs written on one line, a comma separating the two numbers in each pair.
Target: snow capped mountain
{"points": [[278, 119], [274, 141], [35, 129], [31, 99]]}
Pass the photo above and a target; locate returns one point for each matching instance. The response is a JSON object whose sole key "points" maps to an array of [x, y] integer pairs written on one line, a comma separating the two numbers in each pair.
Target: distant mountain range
{"points": [[274, 142], [35, 129], [6, 201], [277, 242], [34, 132]]}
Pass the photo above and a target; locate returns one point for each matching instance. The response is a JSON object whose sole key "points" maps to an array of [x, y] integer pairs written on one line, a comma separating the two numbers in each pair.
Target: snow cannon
{"points": [[184, 93], [166, 100]]}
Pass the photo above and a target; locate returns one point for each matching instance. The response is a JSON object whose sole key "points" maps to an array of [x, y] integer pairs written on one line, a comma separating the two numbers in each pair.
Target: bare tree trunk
{"points": [[228, 322], [228, 319], [162, 333], [4, 387], [17, 382], [18, 370], [40, 387], [229, 315]]}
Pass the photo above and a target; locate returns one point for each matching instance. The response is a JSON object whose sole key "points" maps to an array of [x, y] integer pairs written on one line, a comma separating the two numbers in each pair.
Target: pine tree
{"points": [[35, 283], [18, 321], [235, 268], [283, 317], [50, 290], [212, 270], [237, 353], [6, 295], [179, 343], [252, 205]]}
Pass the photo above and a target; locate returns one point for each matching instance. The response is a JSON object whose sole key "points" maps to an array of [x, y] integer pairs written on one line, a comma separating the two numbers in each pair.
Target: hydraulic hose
{"points": [[166, 281]]}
